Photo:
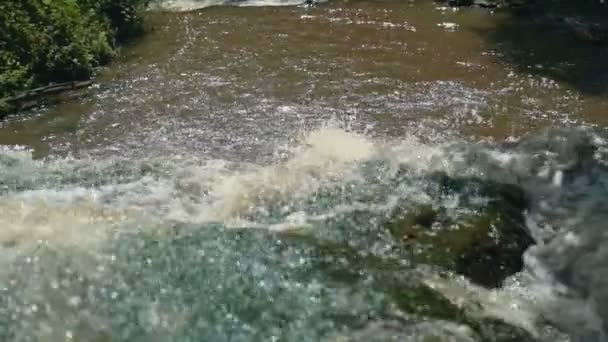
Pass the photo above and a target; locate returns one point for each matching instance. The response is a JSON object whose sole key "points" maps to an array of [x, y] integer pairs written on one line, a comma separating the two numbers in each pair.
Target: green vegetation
{"points": [[47, 41]]}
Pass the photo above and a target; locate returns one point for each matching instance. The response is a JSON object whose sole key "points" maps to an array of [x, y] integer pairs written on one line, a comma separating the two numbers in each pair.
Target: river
{"points": [[226, 178]]}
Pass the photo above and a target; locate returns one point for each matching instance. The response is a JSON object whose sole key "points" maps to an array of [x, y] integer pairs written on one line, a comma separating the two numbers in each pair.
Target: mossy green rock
{"points": [[485, 244], [426, 304]]}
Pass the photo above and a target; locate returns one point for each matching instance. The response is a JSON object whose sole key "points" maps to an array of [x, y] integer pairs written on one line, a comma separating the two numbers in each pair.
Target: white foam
{"points": [[326, 156], [44, 207]]}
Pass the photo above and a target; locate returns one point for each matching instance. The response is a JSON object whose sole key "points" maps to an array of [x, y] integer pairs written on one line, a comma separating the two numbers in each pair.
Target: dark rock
{"points": [[460, 2], [513, 4], [595, 33], [486, 3], [485, 245]]}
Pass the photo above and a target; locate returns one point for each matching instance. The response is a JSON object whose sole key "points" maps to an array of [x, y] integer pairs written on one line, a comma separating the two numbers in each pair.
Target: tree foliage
{"points": [[45, 41]]}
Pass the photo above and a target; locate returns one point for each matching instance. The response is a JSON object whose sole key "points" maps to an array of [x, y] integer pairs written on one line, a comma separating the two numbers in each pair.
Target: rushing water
{"points": [[229, 179]]}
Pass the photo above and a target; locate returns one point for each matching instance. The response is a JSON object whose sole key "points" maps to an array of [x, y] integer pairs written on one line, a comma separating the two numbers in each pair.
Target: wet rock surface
{"points": [[485, 244], [489, 3]]}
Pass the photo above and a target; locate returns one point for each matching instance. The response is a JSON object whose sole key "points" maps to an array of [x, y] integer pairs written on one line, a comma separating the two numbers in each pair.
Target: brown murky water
{"points": [[229, 81]]}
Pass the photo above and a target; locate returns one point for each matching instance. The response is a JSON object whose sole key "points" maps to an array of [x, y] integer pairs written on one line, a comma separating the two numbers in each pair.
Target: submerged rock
{"points": [[486, 243], [422, 304], [460, 2], [488, 3]]}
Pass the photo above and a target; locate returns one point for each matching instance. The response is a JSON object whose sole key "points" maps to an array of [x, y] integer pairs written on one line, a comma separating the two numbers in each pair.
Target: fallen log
{"points": [[31, 98]]}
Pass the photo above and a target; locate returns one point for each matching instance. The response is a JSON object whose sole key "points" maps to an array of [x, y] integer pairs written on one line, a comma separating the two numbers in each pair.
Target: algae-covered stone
{"points": [[486, 244], [422, 303]]}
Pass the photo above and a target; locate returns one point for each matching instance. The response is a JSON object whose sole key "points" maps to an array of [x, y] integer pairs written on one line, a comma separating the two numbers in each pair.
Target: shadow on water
{"points": [[563, 40]]}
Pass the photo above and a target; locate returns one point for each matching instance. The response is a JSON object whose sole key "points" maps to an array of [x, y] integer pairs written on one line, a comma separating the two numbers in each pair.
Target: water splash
{"points": [[332, 188]]}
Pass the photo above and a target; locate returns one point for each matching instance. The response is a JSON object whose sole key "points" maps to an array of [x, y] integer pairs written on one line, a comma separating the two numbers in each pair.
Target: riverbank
{"points": [[49, 42]]}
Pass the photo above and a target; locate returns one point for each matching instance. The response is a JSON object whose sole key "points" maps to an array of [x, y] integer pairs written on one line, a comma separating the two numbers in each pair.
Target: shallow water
{"points": [[228, 179]]}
